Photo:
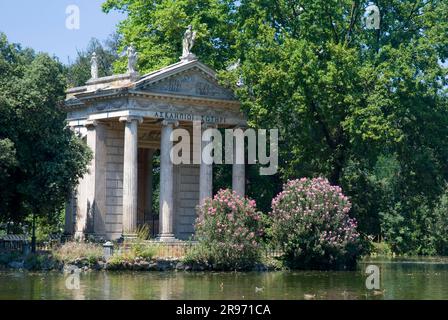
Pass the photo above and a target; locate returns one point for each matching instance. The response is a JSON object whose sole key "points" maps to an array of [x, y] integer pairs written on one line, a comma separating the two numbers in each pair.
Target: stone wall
{"points": [[186, 192], [114, 183]]}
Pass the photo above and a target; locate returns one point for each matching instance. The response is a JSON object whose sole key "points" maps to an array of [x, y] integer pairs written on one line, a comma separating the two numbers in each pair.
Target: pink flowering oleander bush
{"points": [[229, 230], [310, 222]]}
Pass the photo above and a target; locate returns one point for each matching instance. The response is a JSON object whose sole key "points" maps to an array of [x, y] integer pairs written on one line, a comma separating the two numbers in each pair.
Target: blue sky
{"points": [[41, 24]]}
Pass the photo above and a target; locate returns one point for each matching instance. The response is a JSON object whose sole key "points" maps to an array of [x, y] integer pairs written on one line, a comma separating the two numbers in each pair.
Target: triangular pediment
{"points": [[194, 80]]}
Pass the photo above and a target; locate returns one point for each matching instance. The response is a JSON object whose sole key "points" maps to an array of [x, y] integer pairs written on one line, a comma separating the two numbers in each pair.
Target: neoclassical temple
{"points": [[125, 120]]}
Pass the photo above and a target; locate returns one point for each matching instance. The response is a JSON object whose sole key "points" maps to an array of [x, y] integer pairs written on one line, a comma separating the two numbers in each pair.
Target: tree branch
{"points": [[333, 26], [353, 17], [322, 125]]}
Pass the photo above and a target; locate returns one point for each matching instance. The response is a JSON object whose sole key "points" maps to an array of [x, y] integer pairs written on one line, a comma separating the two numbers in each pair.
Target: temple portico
{"points": [[127, 120]]}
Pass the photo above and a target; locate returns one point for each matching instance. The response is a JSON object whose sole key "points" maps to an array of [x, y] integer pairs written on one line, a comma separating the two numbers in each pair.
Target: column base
{"points": [[167, 237], [98, 237], [130, 236], [79, 236], [188, 57]]}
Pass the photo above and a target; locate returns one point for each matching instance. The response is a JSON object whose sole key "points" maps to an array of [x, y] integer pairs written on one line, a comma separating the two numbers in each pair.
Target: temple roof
{"points": [[168, 80]]}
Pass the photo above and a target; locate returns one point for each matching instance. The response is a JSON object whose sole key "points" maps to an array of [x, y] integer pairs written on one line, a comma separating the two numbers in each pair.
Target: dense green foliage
{"points": [[370, 121], [418, 227], [440, 226], [40, 160], [156, 29], [78, 72], [310, 222], [229, 230], [367, 109]]}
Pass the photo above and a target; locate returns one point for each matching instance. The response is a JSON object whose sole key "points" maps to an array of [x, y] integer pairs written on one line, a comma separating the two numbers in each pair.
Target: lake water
{"points": [[399, 279]]}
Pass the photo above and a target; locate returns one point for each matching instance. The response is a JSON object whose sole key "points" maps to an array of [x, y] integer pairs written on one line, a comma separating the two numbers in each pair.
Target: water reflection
{"points": [[409, 279]]}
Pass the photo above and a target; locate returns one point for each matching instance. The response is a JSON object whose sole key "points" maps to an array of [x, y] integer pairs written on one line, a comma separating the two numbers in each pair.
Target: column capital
{"points": [[130, 118], [91, 124], [241, 126], [207, 125], [168, 122]]}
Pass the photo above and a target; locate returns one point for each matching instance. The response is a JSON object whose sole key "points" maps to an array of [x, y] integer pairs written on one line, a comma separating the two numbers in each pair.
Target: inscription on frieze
{"points": [[189, 117]]}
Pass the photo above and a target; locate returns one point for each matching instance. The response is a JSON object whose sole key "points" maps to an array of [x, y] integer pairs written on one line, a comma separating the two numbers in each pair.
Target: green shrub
{"points": [[440, 225], [310, 221], [137, 250], [229, 231], [38, 262], [117, 259], [142, 250], [144, 232], [198, 254], [417, 227], [381, 249], [7, 257]]}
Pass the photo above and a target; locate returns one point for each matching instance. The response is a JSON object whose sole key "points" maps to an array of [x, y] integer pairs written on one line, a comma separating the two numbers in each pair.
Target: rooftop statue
{"points": [[188, 43], [94, 66], [132, 59]]}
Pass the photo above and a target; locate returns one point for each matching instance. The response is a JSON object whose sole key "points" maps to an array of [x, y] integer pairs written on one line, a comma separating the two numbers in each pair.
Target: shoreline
{"points": [[140, 265], [176, 264]]}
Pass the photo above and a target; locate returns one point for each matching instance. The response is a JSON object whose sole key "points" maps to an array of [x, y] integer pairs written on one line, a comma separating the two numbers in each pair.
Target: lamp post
{"points": [[108, 250]]}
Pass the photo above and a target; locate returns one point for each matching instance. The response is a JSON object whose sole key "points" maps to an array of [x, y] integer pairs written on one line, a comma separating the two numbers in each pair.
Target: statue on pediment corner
{"points": [[188, 43], [132, 59], [94, 66]]}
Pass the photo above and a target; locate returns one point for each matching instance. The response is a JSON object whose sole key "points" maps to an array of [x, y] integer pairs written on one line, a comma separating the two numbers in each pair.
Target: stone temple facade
{"points": [[125, 120]]}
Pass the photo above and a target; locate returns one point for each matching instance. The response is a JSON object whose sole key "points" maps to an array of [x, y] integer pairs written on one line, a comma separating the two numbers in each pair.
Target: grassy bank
{"points": [[135, 256]]}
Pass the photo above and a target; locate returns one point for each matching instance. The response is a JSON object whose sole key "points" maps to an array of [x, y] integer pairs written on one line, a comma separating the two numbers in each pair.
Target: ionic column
{"points": [[91, 202], [238, 171], [130, 175], [148, 183], [206, 172], [69, 215], [166, 182], [239, 179]]}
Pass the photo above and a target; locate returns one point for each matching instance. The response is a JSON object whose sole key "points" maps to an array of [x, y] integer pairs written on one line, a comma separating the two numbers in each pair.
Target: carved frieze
{"points": [[190, 83], [107, 105]]}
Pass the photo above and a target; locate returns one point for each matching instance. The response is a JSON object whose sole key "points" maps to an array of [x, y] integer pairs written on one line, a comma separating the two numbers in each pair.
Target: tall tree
{"points": [[155, 27], [365, 108], [345, 97], [41, 161]]}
